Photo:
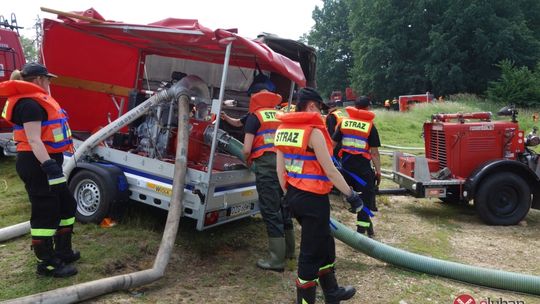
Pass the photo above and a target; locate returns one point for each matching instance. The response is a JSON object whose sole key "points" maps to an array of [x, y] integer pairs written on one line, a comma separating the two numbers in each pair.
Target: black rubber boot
{"points": [[305, 293], [48, 264], [370, 231], [62, 246], [333, 293]]}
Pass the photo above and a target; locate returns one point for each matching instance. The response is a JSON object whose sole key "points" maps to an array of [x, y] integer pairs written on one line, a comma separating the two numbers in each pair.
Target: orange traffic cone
{"points": [[107, 223]]}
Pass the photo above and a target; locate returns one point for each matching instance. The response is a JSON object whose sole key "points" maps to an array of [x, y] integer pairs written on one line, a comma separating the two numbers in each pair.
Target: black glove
{"points": [[355, 201], [54, 172], [377, 179]]}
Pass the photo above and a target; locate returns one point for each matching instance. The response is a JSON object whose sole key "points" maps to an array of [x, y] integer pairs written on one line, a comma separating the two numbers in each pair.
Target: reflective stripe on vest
{"points": [[303, 171], [354, 143], [264, 138], [356, 130], [55, 132]]}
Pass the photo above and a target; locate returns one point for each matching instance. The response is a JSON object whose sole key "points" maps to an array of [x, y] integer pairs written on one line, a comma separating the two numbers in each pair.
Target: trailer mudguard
{"points": [[115, 179], [500, 166]]}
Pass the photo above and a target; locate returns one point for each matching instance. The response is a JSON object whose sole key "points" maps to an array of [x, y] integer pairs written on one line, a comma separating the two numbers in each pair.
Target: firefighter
{"points": [[360, 144], [41, 131], [387, 104], [260, 125], [334, 116], [306, 173], [395, 104]]}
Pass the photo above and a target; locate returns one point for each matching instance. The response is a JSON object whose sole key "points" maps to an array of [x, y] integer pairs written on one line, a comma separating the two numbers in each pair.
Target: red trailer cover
{"points": [[108, 56], [183, 38]]}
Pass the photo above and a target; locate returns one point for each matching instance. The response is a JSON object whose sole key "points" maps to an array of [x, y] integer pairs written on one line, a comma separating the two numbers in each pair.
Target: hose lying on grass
{"points": [[465, 273]]}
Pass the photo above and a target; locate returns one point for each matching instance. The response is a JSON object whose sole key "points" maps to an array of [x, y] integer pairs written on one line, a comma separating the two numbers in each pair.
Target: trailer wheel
{"points": [[93, 198], [503, 199]]}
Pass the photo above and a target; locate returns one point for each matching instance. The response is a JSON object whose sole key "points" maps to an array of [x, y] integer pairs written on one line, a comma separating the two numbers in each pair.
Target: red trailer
{"points": [[408, 101], [106, 69], [470, 157]]}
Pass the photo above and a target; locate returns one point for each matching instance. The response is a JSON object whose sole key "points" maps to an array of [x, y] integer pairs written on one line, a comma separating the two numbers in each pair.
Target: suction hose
{"points": [[465, 273], [96, 288], [190, 85]]}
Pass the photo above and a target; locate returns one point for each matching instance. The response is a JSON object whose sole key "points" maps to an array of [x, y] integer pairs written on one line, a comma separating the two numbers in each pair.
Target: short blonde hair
{"points": [[16, 75]]}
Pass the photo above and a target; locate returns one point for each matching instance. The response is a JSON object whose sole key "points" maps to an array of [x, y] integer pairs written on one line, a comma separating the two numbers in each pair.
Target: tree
{"points": [[395, 47], [473, 36], [331, 38], [517, 85], [389, 46], [29, 48]]}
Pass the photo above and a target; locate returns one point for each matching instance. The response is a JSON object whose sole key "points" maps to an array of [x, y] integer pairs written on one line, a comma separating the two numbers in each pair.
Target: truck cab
{"points": [[11, 58]]}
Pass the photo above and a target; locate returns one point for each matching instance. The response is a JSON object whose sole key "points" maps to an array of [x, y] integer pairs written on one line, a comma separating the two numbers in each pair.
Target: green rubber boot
{"points": [[276, 262]]}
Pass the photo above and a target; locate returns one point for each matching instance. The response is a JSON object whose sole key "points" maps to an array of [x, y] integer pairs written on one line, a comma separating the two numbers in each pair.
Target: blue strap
{"points": [[58, 144], [262, 147], [43, 123], [300, 157], [332, 225], [366, 210], [354, 149], [340, 167], [308, 176], [265, 132], [354, 136], [54, 121]]}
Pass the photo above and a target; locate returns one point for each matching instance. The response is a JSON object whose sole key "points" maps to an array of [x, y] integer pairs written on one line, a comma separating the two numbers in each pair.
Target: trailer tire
{"points": [[503, 199], [92, 196]]}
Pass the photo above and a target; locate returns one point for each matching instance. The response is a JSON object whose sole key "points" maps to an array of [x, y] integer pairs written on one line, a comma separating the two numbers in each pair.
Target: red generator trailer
{"points": [[470, 157], [11, 58], [408, 101], [114, 68]]}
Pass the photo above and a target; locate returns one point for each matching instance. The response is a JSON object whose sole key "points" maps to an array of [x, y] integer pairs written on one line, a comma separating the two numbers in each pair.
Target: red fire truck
{"points": [[11, 58], [468, 156]]}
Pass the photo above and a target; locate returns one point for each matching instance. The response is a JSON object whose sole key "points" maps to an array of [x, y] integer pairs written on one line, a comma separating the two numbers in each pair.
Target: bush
{"points": [[517, 85]]}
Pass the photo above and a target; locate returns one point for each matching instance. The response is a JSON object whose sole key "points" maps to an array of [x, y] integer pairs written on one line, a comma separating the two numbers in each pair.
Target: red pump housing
{"points": [[461, 145]]}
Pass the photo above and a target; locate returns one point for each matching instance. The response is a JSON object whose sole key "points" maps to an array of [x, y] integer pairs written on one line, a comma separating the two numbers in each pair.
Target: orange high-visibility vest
{"points": [[303, 171], [55, 132], [263, 105], [339, 117], [356, 129]]}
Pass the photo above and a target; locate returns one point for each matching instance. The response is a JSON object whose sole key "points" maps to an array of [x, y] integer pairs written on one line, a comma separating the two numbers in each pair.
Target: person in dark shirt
{"points": [[42, 134], [358, 161], [260, 154]]}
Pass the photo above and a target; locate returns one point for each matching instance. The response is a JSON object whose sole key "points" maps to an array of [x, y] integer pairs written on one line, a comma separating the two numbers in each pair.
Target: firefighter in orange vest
{"points": [[42, 134], [260, 125], [333, 119], [360, 144], [306, 173]]}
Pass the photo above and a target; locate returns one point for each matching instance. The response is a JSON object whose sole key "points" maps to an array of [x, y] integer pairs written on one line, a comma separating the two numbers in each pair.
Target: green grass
{"points": [[14, 204], [204, 260]]}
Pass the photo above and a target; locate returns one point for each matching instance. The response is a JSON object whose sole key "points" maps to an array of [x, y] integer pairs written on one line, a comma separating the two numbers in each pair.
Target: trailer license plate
{"points": [[240, 209], [435, 192]]}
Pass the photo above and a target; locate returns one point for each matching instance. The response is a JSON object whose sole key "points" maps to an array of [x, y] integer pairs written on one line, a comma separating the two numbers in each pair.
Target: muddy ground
{"points": [[228, 274]]}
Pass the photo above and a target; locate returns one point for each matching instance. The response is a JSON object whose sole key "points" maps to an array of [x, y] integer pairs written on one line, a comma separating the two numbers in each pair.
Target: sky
{"points": [[286, 18]]}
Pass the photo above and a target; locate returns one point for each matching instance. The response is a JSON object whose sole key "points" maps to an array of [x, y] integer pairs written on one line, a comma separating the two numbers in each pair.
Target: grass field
{"points": [[217, 266]]}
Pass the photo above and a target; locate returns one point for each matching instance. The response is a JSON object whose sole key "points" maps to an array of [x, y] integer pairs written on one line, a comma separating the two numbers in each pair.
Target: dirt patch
{"points": [[219, 266]]}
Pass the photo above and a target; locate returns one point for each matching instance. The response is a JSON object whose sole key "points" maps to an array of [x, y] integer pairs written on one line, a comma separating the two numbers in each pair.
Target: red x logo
{"points": [[464, 299]]}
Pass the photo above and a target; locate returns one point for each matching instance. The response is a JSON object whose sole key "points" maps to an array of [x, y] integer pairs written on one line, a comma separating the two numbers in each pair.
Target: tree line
{"points": [[386, 48]]}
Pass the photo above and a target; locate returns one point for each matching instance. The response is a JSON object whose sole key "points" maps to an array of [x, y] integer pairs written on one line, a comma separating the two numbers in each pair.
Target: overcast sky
{"points": [[286, 18]]}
